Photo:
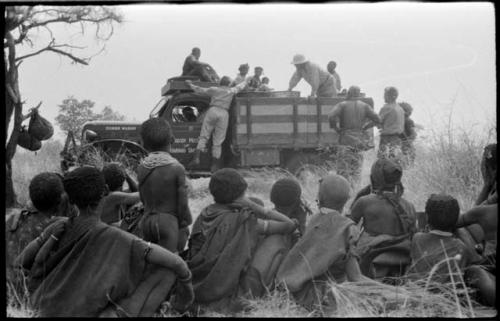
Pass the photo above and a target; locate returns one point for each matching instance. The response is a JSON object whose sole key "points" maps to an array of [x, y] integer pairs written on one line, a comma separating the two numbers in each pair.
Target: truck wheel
{"points": [[299, 164]]}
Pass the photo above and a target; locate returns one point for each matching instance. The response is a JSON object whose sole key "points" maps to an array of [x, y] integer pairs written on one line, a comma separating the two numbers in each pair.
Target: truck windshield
{"points": [[158, 107]]}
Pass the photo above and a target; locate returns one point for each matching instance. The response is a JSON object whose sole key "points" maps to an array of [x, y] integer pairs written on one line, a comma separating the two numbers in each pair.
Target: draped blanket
{"points": [[92, 263], [220, 249], [324, 245]]}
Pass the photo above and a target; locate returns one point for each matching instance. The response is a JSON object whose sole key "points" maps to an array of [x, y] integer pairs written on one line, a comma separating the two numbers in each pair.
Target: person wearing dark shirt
{"points": [[348, 118], [194, 67]]}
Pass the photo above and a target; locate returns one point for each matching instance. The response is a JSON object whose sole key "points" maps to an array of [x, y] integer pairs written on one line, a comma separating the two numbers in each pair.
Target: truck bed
{"points": [[263, 126]]}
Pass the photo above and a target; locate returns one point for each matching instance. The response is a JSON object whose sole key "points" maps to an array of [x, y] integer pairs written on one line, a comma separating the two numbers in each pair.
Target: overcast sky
{"points": [[441, 56]]}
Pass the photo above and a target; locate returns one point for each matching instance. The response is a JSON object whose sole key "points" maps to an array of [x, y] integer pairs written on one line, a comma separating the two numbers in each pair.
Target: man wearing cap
{"points": [[216, 119], [194, 67], [331, 69], [241, 76], [322, 83], [255, 81], [348, 119]]}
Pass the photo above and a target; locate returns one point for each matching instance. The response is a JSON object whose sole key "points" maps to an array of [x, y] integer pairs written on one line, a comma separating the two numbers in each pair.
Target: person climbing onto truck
{"points": [[322, 83], [255, 81], [331, 69], [216, 119], [348, 119], [241, 76], [194, 67], [163, 189]]}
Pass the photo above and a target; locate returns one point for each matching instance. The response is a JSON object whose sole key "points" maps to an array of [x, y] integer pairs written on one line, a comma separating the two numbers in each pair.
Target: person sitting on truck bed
{"points": [[241, 76], [163, 189], [389, 220], [216, 119], [113, 205], [193, 67], [255, 82], [322, 83], [331, 69], [224, 238], [83, 267], [348, 118], [265, 85]]}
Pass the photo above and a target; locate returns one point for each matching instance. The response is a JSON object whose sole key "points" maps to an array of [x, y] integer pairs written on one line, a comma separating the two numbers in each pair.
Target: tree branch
{"points": [[67, 54]]}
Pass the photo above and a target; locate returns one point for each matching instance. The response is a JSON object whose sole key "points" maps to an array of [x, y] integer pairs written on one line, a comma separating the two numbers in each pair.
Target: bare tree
{"points": [[24, 26]]}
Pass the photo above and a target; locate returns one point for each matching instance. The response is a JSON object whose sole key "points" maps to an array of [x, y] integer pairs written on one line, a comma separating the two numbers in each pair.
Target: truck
{"points": [[266, 129]]}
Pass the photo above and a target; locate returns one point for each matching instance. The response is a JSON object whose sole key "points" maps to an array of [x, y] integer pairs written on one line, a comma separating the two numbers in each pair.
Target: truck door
{"points": [[185, 115]]}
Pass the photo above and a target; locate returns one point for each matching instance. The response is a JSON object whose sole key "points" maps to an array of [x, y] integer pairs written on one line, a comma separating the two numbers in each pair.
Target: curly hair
{"points": [[442, 212], [226, 185], [114, 175], [285, 192], [156, 134], [85, 186], [46, 191]]}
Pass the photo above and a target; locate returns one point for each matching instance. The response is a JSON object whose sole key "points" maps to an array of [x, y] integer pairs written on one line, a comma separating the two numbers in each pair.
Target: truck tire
{"points": [[300, 163]]}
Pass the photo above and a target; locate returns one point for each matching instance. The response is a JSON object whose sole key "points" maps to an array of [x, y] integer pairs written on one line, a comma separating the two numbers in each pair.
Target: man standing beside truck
{"points": [[348, 118], [322, 82], [216, 119]]}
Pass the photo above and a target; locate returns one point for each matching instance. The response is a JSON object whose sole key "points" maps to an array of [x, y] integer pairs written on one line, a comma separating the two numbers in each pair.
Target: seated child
{"points": [[429, 248], [224, 238], [264, 86], [389, 222], [46, 193], [259, 278], [113, 205], [325, 252], [82, 267]]}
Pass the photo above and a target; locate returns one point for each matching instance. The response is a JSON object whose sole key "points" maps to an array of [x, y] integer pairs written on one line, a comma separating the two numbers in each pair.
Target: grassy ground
{"points": [[445, 163]]}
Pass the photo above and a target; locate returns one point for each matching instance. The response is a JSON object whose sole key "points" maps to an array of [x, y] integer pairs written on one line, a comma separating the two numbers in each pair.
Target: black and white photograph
{"points": [[272, 159]]}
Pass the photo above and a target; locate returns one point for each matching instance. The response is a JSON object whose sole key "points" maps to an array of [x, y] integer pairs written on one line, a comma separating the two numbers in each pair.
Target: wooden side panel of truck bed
{"points": [[284, 122]]}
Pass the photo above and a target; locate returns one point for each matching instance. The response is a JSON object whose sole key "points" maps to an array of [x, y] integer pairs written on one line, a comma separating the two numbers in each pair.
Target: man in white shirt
{"points": [[322, 83], [216, 119]]}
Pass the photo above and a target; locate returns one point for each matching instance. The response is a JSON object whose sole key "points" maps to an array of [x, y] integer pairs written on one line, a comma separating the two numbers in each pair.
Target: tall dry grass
{"points": [[446, 162]]}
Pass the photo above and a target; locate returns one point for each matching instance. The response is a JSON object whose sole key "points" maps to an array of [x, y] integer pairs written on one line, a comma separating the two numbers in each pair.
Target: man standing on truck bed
{"points": [[194, 67], [348, 119], [322, 83], [216, 119]]}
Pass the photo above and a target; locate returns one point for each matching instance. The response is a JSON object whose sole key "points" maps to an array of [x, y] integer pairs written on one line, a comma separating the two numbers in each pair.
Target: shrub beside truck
{"points": [[266, 129]]}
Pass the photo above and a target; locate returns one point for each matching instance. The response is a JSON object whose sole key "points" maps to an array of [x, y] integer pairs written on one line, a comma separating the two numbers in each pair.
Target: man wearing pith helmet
{"points": [[322, 82]]}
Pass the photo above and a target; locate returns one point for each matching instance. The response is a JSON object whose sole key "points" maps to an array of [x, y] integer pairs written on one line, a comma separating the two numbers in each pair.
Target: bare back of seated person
{"points": [[379, 216], [159, 192], [164, 193]]}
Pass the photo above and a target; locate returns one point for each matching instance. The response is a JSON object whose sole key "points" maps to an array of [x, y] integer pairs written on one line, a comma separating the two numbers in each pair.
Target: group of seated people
{"points": [[78, 254]]}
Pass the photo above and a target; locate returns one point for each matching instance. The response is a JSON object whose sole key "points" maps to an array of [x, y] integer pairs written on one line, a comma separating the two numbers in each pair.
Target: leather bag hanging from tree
{"points": [[25, 140], [39, 127]]}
